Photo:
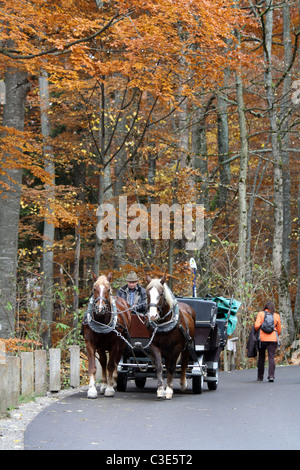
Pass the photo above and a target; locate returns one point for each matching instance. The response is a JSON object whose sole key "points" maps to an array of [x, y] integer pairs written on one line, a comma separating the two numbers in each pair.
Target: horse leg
{"points": [[92, 391], [103, 362], [110, 391], [169, 387], [184, 363], [115, 375], [156, 355], [170, 366]]}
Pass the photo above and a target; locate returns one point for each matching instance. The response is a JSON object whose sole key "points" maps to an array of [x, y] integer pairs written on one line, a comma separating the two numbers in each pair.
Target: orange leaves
{"points": [[155, 43], [58, 205], [20, 150], [16, 345]]}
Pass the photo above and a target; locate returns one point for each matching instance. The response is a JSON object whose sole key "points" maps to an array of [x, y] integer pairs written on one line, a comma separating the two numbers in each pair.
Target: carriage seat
{"points": [[206, 311]]}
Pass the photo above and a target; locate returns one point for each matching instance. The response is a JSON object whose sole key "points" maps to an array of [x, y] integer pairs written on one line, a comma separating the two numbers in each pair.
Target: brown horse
{"points": [[172, 328], [107, 323]]}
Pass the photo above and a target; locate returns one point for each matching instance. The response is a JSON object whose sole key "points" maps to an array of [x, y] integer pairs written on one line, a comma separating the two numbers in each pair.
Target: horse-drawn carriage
{"points": [[177, 337], [215, 318]]}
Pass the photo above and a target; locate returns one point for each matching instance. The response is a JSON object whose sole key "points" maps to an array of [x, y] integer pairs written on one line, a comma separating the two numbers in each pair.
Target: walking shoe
{"points": [[271, 379], [259, 380]]}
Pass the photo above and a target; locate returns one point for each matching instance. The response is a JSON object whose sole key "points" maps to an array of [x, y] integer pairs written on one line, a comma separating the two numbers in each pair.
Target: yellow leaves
{"points": [[59, 208]]}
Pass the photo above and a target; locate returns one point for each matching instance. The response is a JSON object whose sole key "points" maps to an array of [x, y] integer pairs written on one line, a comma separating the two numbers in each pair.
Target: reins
{"points": [[161, 327]]}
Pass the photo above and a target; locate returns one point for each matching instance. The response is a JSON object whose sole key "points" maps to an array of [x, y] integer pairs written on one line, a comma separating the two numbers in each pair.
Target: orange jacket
{"points": [[268, 336]]}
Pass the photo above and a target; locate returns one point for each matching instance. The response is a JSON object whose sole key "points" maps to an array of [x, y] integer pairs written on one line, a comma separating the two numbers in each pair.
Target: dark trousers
{"points": [[271, 348]]}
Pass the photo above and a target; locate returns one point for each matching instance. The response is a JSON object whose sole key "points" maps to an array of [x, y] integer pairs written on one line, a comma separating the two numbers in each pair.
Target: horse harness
{"points": [[164, 327], [169, 325], [103, 328]]}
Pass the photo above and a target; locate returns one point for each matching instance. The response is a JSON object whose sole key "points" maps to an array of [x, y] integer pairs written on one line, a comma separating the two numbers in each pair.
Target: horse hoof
{"points": [[92, 393], [183, 387], [169, 393], [102, 389], [109, 392], [160, 393]]}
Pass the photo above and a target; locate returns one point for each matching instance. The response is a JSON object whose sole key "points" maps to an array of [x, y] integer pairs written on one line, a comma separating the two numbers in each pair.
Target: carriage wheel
{"points": [[197, 383], [140, 382], [213, 373], [122, 381]]}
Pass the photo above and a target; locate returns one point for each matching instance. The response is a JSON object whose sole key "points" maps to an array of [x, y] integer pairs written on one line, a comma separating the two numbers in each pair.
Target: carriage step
{"points": [[143, 367], [199, 370]]}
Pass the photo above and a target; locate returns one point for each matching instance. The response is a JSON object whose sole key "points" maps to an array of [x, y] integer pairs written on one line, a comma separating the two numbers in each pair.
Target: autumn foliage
{"points": [[138, 91]]}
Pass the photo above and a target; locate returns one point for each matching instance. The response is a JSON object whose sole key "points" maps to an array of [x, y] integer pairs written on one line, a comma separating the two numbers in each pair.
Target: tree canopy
{"points": [[169, 102]]}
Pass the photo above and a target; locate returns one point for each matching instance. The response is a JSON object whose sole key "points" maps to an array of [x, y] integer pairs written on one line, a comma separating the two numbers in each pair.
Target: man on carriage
{"points": [[134, 294]]}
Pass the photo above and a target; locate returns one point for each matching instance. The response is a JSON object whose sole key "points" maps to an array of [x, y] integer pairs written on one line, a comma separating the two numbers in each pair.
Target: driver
{"points": [[135, 294]]}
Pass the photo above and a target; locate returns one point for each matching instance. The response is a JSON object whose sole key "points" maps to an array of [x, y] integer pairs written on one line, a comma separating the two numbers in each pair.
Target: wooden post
{"points": [[13, 380], [225, 359], [3, 389], [55, 355], [40, 359], [74, 366], [27, 373]]}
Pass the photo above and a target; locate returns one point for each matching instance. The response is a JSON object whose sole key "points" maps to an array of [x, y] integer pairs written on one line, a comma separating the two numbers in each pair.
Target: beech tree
{"points": [[162, 102], [276, 132], [49, 228], [17, 85]]}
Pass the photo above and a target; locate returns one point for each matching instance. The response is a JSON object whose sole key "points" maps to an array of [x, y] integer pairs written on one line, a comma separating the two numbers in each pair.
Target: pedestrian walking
{"points": [[269, 325]]}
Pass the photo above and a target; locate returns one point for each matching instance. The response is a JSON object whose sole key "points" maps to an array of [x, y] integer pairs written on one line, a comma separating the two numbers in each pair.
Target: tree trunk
{"points": [[278, 265], [151, 200], [104, 195], [242, 261], [76, 275], [80, 183], [285, 141], [13, 117], [297, 302], [120, 170], [199, 155], [223, 146], [49, 229]]}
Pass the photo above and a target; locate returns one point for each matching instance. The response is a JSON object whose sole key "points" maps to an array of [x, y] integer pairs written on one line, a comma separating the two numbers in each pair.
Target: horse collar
{"points": [[98, 327], [168, 325]]}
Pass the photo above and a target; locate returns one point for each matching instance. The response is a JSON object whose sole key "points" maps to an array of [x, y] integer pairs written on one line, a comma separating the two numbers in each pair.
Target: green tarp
{"points": [[227, 308]]}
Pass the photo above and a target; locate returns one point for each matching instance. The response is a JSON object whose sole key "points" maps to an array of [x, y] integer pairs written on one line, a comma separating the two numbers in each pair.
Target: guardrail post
{"points": [[40, 360], [13, 380], [27, 373], [74, 366], [231, 347], [54, 364], [3, 389]]}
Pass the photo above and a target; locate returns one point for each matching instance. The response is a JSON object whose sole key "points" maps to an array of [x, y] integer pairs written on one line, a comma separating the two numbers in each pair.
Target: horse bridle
{"points": [[104, 309], [156, 305], [159, 307]]}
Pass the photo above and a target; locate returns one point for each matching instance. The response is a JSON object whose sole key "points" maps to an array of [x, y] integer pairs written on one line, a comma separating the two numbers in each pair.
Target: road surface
{"points": [[242, 414]]}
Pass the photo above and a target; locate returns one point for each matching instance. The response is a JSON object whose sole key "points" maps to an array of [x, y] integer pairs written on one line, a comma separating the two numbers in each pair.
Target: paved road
{"points": [[241, 414]]}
